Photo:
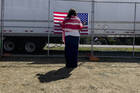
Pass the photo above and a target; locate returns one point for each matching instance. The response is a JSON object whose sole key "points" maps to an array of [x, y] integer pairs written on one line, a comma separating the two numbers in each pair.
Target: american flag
{"points": [[59, 17]]}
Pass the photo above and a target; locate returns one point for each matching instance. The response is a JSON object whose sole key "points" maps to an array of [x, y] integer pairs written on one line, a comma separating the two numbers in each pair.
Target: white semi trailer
{"points": [[28, 24]]}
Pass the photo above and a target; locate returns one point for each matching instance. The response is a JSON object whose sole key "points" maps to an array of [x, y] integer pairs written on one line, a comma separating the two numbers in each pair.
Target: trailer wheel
{"points": [[9, 45], [40, 45], [30, 47], [98, 43]]}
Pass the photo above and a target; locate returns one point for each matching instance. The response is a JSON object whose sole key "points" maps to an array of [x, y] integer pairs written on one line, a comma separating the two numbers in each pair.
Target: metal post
{"points": [[92, 27], [1, 28], [134, 35], [49, 28]]}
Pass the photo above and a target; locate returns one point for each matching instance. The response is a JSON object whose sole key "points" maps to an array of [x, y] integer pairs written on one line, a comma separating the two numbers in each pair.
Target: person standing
{"points": [[71, 27]]}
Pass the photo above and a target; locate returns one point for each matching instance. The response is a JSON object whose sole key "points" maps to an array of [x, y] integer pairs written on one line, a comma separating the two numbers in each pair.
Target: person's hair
{"points": [[71, 12]]}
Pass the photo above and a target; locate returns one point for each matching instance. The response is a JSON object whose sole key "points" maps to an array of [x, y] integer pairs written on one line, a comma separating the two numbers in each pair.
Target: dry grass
{"points": [[48, 75]]}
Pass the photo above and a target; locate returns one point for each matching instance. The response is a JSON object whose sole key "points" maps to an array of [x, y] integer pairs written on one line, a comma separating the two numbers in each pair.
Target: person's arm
{"points": [[62, 24], [63, 32], [80, 26]]}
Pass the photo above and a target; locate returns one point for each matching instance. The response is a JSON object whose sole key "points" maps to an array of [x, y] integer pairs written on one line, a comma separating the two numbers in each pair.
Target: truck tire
{"points": [[40, 45], [98, 43], [30, 47], [9, 45]]}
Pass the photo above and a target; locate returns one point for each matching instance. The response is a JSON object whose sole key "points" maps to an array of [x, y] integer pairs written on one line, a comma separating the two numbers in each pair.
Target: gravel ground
{"points": [[48, 75]]}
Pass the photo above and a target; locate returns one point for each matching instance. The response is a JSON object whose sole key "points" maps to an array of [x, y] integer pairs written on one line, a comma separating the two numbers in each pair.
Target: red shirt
{"points": [[72, 26]]}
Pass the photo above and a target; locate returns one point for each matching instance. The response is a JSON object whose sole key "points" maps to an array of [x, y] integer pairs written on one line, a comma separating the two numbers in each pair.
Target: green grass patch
{"points": [[99, 49]]}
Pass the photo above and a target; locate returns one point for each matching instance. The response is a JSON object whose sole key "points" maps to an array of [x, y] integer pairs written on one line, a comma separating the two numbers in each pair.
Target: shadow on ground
{"points": [[55, 75], [61, 60]]}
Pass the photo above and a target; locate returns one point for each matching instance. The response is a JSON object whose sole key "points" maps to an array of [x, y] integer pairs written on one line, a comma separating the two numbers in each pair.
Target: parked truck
{"points": [[29, 24]]}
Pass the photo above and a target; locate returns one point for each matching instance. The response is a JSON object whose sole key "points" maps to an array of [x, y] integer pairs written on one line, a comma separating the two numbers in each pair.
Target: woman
{"points": [[71, 29]]}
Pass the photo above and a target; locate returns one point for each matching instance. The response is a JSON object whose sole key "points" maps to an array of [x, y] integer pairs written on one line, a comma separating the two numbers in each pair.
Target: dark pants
{"points": [[71, 51]]}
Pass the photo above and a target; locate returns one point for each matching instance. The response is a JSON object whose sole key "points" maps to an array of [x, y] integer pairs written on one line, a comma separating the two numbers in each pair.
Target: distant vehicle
{"points": [[29, 23]]}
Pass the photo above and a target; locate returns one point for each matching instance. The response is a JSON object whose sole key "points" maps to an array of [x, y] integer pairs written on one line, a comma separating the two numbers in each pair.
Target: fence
{"points": [[121, 27], [1, 26], [113, 27]]}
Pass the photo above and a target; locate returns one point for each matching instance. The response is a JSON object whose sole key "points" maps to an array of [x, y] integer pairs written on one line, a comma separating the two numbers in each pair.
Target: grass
{"points": [[98, 49]]}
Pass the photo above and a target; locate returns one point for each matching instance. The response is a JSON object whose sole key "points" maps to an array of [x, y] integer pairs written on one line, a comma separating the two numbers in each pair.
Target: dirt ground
{"points": [[48, 75]]}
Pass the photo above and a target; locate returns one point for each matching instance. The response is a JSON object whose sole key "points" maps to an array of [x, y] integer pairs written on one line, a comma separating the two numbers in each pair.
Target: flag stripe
{"points": [[59, 29], [80, 33], [60, 13], [58, 16], [58, 25], [58, 20]]}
